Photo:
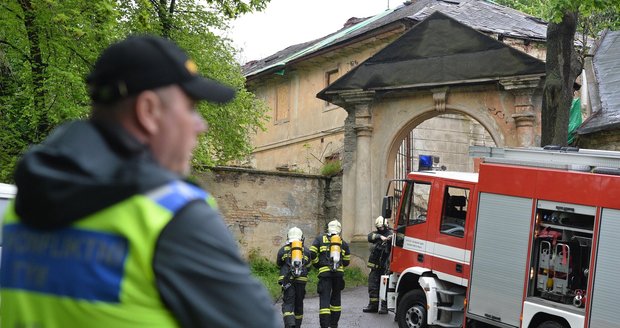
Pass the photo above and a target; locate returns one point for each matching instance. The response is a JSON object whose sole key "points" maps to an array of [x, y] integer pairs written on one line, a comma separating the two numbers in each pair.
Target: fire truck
{"points": [[532, 240]]}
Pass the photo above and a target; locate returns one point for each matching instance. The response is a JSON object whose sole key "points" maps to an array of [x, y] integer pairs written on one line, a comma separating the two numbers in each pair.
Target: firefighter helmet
{"points": [[294, 233], [380, 222], [334, 227]]}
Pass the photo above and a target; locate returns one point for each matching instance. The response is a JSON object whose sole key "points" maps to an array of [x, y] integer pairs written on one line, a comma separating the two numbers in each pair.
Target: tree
{"points": [[47, 47], [564, 62]]}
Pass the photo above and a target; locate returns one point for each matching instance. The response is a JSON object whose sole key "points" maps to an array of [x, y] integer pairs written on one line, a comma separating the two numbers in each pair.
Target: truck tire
{"points": [[551, 324], [411, 311]]}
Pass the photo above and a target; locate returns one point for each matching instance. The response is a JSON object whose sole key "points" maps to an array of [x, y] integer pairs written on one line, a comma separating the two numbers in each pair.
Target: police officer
{"points": [[294, 263], [105, 230], [330, 254], [380, 240]]}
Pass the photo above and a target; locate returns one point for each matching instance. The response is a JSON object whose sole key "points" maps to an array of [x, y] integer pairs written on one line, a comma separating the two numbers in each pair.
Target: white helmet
{"points": [[294, 233], [380, 222], [334, 227]]}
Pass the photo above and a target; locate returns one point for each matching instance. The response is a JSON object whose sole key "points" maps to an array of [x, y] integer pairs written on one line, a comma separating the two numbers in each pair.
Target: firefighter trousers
{"points": [[329, 289], [374, 278], [293, 304]]}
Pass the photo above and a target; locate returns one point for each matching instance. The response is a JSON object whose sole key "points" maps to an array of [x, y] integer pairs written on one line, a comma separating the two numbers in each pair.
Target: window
{"points": [[283, 104], [330, 77], [416, 204], [454, 212]]}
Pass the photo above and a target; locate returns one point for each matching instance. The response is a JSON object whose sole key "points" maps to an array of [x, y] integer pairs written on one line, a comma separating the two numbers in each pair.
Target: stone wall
{"points": [[260, 206], [605, 140]]}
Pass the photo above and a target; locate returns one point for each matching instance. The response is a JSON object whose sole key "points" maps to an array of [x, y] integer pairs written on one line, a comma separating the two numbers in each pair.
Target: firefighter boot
{"points": [[372, 307], [383, 308], [297, 323]]}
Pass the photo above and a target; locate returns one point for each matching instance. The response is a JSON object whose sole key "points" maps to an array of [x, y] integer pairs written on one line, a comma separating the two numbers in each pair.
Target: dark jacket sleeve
{"points": [[307, 258], [346, 258], [202, 278], [279, 260], [314, 251], [374, 237]]}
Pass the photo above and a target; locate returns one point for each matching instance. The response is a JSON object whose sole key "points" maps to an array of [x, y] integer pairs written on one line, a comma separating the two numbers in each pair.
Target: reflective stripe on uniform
{"points": [[118, 243]]}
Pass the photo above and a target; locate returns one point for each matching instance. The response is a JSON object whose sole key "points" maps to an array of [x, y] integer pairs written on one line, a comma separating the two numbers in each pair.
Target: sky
{"points": [[287, 22]]}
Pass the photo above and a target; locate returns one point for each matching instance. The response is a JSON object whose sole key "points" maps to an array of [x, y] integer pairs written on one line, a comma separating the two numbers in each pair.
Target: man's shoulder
{"points": [[175, 195]]}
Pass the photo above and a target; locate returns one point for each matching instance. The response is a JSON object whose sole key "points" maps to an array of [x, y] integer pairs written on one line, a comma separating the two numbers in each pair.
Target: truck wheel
{"points": [[551, 324], [411, 312]]}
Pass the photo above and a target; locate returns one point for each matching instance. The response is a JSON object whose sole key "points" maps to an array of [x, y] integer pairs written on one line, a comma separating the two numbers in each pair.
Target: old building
{"points": [[428, 76]]}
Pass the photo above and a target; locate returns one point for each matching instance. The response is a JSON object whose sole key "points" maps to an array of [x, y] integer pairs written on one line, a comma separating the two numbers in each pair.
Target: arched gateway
{"points": [[438, 67]]}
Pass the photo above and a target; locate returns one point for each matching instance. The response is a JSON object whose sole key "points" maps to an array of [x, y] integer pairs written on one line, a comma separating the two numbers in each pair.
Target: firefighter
{"points": [[381, 245], [294, 263], [330, 254]]}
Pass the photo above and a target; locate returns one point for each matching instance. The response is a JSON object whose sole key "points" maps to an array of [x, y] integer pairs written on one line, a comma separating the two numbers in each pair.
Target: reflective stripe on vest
{"points": [[97, 272]]}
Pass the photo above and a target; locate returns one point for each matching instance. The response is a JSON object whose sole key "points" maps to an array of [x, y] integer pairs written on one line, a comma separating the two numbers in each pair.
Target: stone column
{"points": [[525, 118], [363, 187], [357, 187]]}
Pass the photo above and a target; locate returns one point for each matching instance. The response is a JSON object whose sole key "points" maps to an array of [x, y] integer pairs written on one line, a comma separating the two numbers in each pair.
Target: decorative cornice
{"points": [[520, 83], [363, 130], [352, 98], [524, 119]]}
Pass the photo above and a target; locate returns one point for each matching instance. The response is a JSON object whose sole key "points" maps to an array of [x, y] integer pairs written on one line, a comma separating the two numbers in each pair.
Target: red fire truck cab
{"points": [[532, 240]]}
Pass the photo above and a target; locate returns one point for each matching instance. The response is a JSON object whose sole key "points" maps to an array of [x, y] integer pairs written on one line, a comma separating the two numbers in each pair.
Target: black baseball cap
{"points": [[147, 62]]}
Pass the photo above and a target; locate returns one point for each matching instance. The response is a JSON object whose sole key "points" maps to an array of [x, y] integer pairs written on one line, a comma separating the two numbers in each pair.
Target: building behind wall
{"points": [[305, 132]]}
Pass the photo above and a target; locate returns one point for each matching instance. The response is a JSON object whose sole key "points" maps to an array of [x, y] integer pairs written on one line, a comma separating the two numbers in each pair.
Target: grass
{"points": [[267, 272], [331, 168]]}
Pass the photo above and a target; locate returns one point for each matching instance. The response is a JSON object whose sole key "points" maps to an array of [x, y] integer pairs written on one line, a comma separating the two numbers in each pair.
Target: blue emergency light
{"points": [[425, 162]]}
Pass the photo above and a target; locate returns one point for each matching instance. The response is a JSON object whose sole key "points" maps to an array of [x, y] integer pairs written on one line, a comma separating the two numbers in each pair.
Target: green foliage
{"points": [[267, 272], [331, 168], [47, 47], [595, 15]]}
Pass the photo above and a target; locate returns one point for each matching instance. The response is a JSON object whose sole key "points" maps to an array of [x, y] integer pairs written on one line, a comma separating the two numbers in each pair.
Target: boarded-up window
{"points": [[330, 77], [283, 102]]}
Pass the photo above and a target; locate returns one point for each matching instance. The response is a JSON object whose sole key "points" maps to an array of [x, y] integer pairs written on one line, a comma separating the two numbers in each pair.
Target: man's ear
{"points": [[148, 112]]}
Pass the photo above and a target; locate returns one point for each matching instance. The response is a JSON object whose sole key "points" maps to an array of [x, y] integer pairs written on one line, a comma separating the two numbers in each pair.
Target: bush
{"points": [[331, 168], [267, 272]]}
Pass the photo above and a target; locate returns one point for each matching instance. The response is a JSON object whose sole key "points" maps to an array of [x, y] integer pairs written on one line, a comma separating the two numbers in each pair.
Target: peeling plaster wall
{"points": [[260, 206]]}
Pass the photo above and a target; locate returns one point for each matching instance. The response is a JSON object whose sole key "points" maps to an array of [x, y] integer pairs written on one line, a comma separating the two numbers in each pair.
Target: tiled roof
{"points": [[605, 102], [481, 15]]}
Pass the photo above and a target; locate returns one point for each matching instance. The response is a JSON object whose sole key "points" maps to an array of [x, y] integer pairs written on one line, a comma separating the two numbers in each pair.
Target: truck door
{"points": [[410, 246], [451, 258]]}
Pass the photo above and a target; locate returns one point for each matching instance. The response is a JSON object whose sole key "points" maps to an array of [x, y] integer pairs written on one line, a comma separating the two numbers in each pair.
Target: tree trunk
{"points": [[562, 70], [165, 17], [37, 68]]}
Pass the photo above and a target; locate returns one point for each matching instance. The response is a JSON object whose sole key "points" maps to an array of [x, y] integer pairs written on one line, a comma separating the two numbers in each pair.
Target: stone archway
{"points": [[429, 114], [508, 110]]}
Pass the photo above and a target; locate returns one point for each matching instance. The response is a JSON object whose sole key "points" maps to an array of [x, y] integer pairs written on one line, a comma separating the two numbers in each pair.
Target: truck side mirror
{"points": [[386, 207]]}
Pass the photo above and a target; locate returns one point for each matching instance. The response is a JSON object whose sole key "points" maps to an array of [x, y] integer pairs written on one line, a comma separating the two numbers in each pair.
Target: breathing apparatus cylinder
{"points": [[335, 243], [296, 257]]}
